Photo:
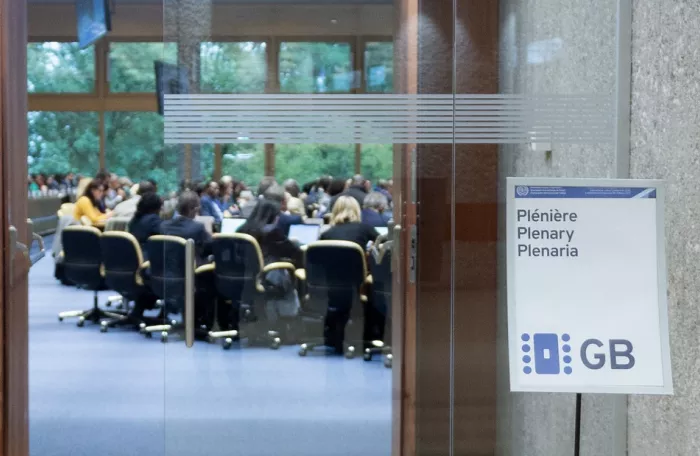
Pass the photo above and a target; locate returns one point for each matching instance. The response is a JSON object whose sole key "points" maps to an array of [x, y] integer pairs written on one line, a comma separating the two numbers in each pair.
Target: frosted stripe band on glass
{"points": [[371, 119]]}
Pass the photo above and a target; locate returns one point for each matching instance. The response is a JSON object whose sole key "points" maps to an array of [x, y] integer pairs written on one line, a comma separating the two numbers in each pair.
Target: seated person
{"points": [[346, 224], [128, 208], [295, 205], [183, 225], [262, 225], [276, 193], [373, 210], [88, 204], [146, 222], [208, 202], [357, 188]]}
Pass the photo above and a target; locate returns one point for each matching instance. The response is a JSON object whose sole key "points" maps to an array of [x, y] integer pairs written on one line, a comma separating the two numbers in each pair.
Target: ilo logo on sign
{"points": [[544, 352], [522, 190]]}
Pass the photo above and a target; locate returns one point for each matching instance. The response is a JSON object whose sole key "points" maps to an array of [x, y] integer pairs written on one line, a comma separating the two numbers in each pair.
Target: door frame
{"points": [[14, 331]]}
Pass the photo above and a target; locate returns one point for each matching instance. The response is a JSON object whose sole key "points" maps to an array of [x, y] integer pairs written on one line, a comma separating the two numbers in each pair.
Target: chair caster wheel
{"points": [[60, 318], [227, 343], [142, 328], [148, 335], [81, 322], [350, 353], [303, 350], [388, 360], [275, 344], [164, 337], [367, 355], [103, 328]]}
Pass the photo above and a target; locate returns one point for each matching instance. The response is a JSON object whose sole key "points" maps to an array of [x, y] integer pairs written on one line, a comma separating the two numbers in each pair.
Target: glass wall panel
{"points": [[134, 148], [307, 162], [63, 142], [244, 162], [315, 67], [60, 68], [131, 65], [379, 66], [238, 67]]}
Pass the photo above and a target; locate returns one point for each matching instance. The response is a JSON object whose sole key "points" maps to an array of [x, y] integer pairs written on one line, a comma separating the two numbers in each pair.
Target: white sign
{"points": [[587, 286]]}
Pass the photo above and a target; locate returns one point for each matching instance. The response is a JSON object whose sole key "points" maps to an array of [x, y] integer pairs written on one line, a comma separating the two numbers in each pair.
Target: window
{"points": [[54, 67], [377, 161], [315, 67], [131, 66], [63, 142], [233, 67], [134, 148], [244, 162], [379, 67], [307, 162]]}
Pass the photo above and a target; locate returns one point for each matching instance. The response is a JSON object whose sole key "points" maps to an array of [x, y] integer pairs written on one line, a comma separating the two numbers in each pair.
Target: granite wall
{"points": [[553, 47], [665, 138]]}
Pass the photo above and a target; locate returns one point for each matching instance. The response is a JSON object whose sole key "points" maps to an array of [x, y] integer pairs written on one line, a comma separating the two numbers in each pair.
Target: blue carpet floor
{"points": [[119, 394]]}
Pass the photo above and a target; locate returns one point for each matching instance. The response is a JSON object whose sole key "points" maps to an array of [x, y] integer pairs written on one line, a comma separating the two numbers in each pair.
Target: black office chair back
{"points": [[335, 273], [238, 260], [168, 268], [82, 256], [122, 259], [380, 269]]}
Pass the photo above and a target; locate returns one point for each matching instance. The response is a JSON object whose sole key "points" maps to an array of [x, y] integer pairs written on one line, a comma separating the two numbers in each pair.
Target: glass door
{"points": [[302, 367]]}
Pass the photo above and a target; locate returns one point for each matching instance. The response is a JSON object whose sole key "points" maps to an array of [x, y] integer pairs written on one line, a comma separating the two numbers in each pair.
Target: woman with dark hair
{"points": [[146, 221], [262, 225], [88, 205]]}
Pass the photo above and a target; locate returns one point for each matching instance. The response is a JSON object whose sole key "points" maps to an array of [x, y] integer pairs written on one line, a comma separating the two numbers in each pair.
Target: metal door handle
{"points": [[15, 246]]}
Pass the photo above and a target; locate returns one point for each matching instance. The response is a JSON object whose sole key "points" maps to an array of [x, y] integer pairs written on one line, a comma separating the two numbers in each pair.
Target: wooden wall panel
{"points": [[13, 193]]}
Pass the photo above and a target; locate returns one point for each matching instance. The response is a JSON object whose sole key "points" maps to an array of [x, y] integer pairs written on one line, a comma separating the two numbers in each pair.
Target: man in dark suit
{"points": [[183, 225], [359, 186], [285, 220]]}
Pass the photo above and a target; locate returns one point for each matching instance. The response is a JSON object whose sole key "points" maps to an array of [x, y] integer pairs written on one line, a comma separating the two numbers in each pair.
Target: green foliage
{"points": [[69, 141], [61, 142], [60, 68], [315, 67], [307, 162], [233, 67], [132, 68]]}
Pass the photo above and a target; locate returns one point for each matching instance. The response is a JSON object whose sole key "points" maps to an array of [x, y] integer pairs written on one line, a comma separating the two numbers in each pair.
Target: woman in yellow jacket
{"points": [[87, 205]]}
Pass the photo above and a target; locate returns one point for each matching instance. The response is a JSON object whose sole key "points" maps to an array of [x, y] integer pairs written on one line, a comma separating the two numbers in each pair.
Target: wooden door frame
{"points": [[14, 375]]}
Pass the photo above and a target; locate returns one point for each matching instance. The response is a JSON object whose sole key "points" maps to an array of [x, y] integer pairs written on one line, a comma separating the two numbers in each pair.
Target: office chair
{"points": [[82, 266], [239, 270], [123, 266], [335, 277], [380, 271], [168, 270]]}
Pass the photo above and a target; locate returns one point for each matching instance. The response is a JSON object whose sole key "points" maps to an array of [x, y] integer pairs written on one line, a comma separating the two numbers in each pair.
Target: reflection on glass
{"points": [[60, 67], [377, 161], [244, 162], [307, 162], [63, 142], [233, 67], [134, 148], [131, 65], [379, 66], [315, 67]]}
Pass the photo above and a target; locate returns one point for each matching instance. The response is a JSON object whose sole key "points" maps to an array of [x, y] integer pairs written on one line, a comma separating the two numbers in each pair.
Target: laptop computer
{"points": [[231, 225], [382, 230], [305, 234]]}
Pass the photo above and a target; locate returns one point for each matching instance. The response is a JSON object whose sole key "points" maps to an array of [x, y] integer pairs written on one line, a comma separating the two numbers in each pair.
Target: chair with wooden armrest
{"points": [[168, 276], [82, 263], [335, 276], [123, 263], [239, 273]]}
